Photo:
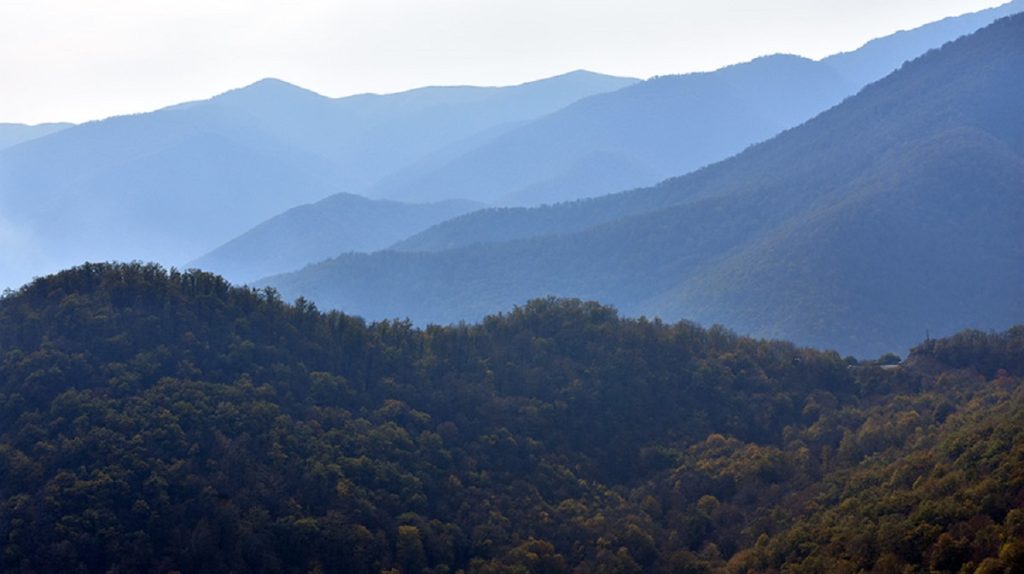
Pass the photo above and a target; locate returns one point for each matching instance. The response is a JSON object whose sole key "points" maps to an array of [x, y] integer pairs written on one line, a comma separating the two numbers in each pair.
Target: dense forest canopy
{"points": [[155, 420]]}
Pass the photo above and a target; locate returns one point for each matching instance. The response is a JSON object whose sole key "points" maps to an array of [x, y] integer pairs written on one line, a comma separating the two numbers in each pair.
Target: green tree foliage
{"points": [[156, 420]]}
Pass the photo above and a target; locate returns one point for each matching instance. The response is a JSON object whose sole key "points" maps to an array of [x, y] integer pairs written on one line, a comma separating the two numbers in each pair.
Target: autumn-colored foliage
{"points": [[161, 421]]}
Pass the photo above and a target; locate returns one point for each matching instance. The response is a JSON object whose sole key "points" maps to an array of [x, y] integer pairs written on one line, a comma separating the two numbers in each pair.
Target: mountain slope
{"points": [[661, 127], [369, 136], [13, 134], [128, 189], [938, 109], [223, 165], [155, 421], [878, 57], [318, 231], [926, 235], [668, 125]]}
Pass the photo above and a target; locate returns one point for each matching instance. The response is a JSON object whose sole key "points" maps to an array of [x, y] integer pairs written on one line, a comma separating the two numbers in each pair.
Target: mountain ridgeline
{"points": [[894, 214], [14, 134], [610, 141], [174, 184], [667, 126], [636, 136], [314, 232], [167, 421], [504, 351]]}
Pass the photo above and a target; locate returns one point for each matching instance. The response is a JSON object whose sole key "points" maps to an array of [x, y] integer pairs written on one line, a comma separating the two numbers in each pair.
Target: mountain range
{"points": [[604, 143], [259, 181], [668, 125], [768, 318], [895, 214], [173, 184]]}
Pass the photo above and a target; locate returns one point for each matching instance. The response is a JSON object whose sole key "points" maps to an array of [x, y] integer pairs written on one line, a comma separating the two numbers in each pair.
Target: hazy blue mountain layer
{"points": [[318, 231], [887, 208], [605, 143], [174, 184], [667, 125], [369, 136], [13, 134], [879, 57], [637, 136]]}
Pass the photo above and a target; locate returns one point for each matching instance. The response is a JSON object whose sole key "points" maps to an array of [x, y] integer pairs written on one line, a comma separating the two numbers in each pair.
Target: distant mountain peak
{"points": [[270, 88], [272, 84], [580, 72], [577, 75], [771, 60]]}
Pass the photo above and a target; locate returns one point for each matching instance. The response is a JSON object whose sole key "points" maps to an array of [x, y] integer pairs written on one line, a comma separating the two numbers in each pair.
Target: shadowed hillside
{"points": [[166, 421], [668, 125], [855, 219]]}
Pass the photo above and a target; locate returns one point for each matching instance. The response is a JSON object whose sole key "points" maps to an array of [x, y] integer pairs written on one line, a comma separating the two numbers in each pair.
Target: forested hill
{"points": [[161, 421]]}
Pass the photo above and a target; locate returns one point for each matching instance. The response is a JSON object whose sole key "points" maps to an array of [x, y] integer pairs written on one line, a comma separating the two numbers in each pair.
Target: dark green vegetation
{"points": [[312, 233], [154, 421], [896, 213]]}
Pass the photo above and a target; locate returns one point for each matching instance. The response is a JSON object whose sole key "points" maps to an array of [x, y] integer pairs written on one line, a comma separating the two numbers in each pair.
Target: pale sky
{"points": [[75, 60]]}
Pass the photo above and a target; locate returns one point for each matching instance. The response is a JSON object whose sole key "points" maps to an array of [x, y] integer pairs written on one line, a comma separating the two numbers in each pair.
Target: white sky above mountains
{"points": [[75, 60]]}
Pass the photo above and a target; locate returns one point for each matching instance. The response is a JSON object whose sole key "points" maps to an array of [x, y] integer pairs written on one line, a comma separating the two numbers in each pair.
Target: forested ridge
{"points": [[155, 420]]}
